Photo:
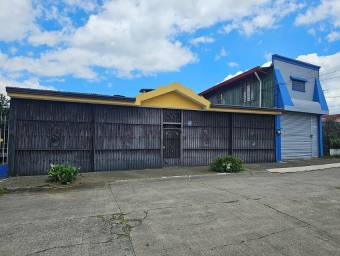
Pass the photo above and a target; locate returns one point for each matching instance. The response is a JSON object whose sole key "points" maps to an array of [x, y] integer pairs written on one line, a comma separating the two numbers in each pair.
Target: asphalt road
{"points": [[261, 214]]}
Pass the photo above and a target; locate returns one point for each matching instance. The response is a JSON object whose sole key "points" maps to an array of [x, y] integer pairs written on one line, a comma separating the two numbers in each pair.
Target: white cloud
{"points": [[326, 10], [232, 64], [268, 56], [312, 31], [325, 13], [222, 53], [133, 37], [52, 64], [202, 40], [329, 77], [263, 17], [232, 75], [88, 5], [13, 50], [266, 64], [16, 19], [49, 38], [32, 83], [333, 36]]}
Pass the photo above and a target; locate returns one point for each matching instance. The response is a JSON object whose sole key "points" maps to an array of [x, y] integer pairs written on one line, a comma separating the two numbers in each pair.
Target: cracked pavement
{"points": [[239, 214]]}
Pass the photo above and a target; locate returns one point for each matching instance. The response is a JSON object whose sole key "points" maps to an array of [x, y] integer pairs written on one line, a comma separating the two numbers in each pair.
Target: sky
{"points": [[120, 46]]}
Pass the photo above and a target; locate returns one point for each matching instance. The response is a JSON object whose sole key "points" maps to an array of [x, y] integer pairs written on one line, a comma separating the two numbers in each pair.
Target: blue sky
{"points": [[121, 46]]}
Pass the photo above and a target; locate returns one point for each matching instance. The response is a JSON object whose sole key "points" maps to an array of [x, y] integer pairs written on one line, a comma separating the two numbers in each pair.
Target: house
{"points": [[288, 85], [170, 125], [266, 114]]}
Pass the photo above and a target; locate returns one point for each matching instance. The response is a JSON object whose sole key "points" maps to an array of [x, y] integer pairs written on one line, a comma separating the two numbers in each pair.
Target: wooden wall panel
{"points": [[105, 138], [37, 162], [91, 137], [126, 136], [253, 138], [52, 135], [206, 135]]}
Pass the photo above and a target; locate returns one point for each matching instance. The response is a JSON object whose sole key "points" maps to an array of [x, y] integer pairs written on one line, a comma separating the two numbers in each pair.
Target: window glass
{"points": [[299, 86], [248, 91], [244, 93]]}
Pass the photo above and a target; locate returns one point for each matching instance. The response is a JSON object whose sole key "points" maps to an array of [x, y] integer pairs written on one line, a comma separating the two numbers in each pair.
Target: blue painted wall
{"points": [[312, 99], [278, 138]]}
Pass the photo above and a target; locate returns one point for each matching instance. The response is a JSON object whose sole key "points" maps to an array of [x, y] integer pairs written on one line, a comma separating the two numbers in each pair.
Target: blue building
{"points": [[289, 86]]}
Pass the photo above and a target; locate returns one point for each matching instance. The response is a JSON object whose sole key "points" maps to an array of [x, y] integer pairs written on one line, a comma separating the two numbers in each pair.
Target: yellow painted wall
{"points": [[171, 100]]}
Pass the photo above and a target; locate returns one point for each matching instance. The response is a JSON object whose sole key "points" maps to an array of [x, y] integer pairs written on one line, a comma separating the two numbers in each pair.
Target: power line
{"points": [[331, 71], [334, 106], [323, 74], [325, 79]]}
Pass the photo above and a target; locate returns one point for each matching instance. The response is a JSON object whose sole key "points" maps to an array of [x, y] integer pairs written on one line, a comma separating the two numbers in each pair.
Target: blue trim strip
{"points": [[320, 136], [4, 170], [295, 62], [283, 97], [318, 95], [296, 78], [278, 138]]}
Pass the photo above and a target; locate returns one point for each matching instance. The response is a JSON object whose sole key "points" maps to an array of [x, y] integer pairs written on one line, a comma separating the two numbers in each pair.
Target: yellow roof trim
{"points": [[246, 111], [165, 89], [69, 99], [173, 87]]}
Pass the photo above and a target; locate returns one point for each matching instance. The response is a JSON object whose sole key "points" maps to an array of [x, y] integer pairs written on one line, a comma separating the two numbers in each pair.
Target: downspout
{"points": [[260, 94]]}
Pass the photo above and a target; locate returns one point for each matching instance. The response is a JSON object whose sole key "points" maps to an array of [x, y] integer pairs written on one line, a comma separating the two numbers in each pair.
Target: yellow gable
{"points": [[172, 96], [171, 100]]}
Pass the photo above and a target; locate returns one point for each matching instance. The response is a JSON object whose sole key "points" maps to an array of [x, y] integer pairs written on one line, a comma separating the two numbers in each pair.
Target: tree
{"points": [[4, 104]]}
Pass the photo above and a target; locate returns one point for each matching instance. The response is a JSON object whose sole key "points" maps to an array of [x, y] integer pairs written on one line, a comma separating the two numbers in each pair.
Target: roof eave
{"points": [[231, 80], [25, 91]]}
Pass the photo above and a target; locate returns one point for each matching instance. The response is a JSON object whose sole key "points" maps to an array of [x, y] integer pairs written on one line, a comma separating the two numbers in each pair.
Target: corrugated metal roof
{"points": [[67, 94]]}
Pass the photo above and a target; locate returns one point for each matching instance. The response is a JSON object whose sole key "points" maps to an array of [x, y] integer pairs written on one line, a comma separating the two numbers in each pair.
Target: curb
{"points": [[188, 177], [304, 168], [84, 185]]}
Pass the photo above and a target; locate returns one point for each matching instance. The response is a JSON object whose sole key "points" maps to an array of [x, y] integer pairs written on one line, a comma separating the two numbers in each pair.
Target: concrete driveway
{"points": [[242, 214]]}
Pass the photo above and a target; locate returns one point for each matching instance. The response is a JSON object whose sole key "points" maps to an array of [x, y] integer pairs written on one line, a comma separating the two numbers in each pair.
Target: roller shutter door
{"points": [[299, 137]]}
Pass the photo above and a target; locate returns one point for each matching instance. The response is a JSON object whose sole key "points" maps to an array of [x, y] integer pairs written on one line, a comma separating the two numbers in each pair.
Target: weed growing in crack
{"points": [[124, 224]]}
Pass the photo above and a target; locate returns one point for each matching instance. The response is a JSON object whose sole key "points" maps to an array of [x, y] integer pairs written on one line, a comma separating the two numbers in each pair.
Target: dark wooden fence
{"points": [[104, 138]]}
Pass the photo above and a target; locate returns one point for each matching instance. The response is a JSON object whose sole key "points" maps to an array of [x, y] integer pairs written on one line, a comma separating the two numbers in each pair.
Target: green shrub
{"points": [[62, 173], [335, 143], [227, 164]]}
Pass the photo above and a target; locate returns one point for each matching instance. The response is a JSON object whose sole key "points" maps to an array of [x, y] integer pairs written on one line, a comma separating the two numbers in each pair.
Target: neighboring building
{"points": [[288, 85], [335, 118]]}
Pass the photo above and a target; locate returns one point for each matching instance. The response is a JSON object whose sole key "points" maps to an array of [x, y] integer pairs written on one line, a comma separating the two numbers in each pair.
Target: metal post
{"points": [[260, 89]]}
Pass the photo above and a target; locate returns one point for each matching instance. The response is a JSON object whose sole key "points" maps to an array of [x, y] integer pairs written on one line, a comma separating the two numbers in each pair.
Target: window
{"points": [[248, 92], [298, 85]]}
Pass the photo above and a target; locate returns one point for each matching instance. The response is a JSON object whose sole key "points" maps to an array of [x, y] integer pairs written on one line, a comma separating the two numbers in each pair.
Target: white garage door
{"points": [[299, 138]]}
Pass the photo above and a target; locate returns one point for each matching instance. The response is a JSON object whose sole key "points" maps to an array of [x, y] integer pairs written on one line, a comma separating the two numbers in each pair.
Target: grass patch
{"points": [[3, 191], [331, 157]]}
